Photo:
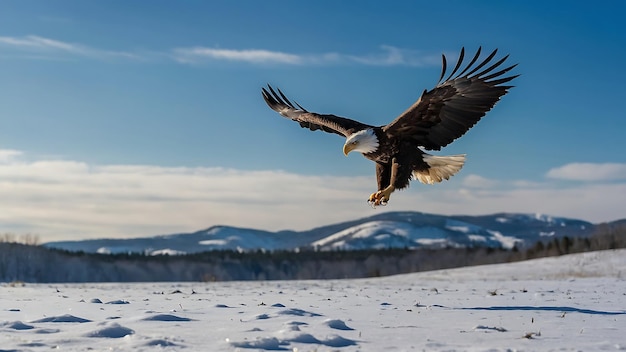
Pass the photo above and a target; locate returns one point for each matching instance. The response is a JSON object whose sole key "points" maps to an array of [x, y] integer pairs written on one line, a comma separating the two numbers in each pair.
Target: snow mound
{"points": [[66, 318], [16, 325], [337, 324], [113, 331], [166, 317]]}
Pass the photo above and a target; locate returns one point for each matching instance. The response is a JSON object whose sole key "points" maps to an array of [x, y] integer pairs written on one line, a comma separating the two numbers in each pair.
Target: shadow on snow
{"points": [[549, 309]]}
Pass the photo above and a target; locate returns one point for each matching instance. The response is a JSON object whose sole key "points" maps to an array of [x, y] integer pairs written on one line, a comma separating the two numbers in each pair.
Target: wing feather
{"points": [[458, 64], [486, 61], [444, 65], [500, 73], [279, 102], [476, 56], [487, 70], [455, 105]]}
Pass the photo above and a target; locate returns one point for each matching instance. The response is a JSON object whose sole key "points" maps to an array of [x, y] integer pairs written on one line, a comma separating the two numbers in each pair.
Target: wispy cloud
{"points": [[393, 56], [589, 172], [36, 44], [387, 56], [53, 49], [7, 155], [477, 181], [199, 54], [72, 199]]}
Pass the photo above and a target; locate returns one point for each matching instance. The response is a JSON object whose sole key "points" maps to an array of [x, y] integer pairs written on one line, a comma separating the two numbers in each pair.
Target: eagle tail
{"points": [[440, 168]]}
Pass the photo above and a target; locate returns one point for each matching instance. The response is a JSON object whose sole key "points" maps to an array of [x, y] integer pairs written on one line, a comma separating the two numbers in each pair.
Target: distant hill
{"points": [[382, 231]]}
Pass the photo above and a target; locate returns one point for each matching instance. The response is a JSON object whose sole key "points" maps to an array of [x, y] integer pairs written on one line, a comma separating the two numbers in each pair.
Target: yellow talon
{"points": [[380, 197]]}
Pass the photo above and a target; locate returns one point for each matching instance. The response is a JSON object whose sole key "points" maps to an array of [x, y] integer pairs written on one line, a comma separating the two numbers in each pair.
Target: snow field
{"points": [[575, 302]]}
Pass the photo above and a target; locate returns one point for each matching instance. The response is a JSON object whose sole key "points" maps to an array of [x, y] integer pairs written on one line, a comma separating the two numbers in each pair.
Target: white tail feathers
{"points": [[441, 168]]}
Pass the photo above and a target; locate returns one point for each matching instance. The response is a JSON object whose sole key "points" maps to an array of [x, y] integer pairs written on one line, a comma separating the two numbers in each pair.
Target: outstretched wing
{"points": [[278, 102], [446, 112]]}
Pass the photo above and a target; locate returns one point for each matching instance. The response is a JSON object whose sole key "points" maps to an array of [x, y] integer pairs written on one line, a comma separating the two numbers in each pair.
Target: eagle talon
{"points": [[378, 199]]}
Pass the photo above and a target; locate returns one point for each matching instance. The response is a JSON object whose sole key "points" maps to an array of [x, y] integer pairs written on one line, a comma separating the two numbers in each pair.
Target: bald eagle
{"points": [[437, 118]]}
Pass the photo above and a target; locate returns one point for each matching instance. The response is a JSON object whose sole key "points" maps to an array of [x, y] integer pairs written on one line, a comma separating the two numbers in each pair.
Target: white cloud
{"points": [[389, 56], [393, 56], [33, 41], [63, 199], [197, 54], [7, 155], [52, 49], [589, 172], [37, 44], [477, 181]]}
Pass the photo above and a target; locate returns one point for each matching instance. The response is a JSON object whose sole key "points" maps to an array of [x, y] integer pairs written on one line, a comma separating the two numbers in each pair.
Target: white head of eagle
{"points": [[364, 141]]}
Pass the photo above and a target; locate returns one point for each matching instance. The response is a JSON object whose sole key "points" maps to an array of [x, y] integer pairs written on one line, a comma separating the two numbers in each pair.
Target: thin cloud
{"points": [[7, 155], [200, 54], [589, 172], [64, 199], [477, 181], [36, 44], [389, 56], [33, 46], [393, 56]]}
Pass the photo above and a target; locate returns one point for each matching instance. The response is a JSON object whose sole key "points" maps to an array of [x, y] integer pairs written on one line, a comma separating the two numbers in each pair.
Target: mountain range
{"points": [[381, 231]]}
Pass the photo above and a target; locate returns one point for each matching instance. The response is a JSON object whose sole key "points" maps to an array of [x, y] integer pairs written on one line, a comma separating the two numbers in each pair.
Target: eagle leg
{"points": [[382, 196]]}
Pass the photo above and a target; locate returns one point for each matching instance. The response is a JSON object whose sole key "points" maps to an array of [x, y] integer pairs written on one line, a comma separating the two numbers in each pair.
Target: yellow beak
{"points": [[347, 148]]}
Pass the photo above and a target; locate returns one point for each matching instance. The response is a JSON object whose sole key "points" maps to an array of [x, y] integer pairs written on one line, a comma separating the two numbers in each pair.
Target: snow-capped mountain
{"points": [[386, 230]]}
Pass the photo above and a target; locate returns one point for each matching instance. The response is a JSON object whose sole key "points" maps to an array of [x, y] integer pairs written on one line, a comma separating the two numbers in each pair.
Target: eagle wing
{"points": [[446, 112], [278, 102]]}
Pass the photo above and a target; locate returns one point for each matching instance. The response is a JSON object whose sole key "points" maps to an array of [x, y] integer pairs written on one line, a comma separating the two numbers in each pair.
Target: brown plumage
{"points": [[437, 118]]}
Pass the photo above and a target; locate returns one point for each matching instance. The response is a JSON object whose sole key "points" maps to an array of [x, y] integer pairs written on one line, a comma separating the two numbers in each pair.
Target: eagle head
{"points": [[364, 141]]}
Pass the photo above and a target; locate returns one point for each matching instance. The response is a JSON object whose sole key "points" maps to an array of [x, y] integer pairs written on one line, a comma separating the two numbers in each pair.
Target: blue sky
{"points": [[132, 118]]}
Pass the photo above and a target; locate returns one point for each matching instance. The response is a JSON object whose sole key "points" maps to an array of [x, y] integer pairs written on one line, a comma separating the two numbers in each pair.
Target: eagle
{"points": [[437, 118]]}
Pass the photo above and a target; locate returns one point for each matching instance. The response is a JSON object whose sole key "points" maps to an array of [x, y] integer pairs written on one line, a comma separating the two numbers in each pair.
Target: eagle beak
{"points": [[347, 148]]}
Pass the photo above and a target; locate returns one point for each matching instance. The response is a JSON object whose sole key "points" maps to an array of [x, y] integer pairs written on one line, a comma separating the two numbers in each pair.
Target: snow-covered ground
{"points": [[575, 302]]}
